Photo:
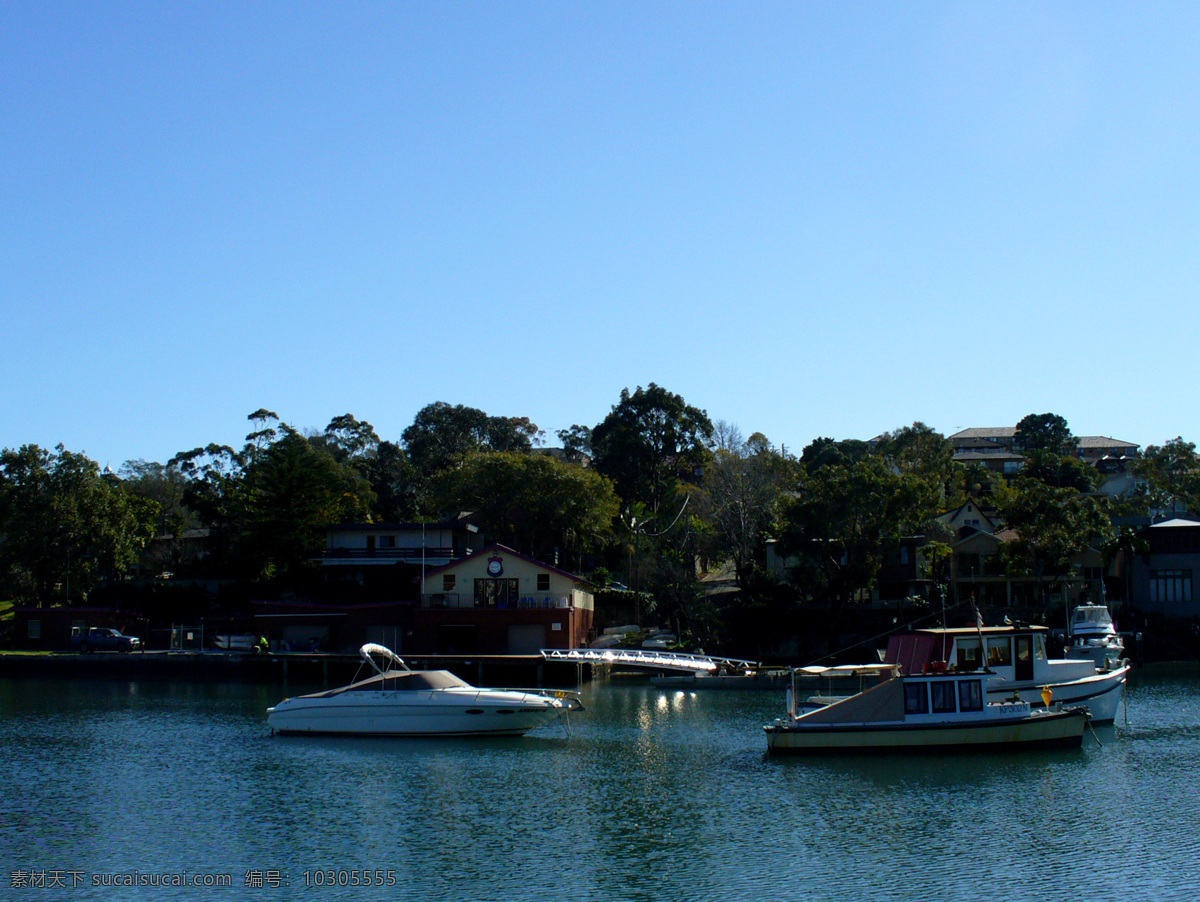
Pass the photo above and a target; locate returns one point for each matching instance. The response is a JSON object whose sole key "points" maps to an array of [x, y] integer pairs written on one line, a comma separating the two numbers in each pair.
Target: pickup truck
{"points": [[104, 639]]}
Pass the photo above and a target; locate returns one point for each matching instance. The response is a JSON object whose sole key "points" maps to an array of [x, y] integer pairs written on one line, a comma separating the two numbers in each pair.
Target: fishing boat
{"points": [[934, 712], [398, 701], [1092, 636], [1016, 655]]}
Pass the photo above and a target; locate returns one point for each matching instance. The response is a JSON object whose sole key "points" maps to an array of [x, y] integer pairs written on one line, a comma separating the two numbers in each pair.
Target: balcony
{"points": [[525, 602], [432, 557]]}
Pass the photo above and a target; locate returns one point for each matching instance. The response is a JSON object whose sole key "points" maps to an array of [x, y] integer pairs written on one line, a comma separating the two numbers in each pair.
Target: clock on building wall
{"points": [[495, 566]]}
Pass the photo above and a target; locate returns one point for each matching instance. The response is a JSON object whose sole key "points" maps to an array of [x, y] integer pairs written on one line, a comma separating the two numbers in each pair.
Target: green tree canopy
{"points": [[1044, 432], [842, 522], [1170, 475], [743, 486], [532, 502], [63, 523], [821, 452], [442, 436], [291, 494], [925, 459], [1052, 525], [650, 441]]}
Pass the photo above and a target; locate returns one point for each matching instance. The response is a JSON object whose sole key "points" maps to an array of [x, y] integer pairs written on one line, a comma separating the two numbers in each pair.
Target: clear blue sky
{"points": [[809, 219]]}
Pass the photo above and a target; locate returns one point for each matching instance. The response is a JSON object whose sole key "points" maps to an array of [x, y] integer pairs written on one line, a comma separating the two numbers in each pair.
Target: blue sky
{"points": [[809, 219]]}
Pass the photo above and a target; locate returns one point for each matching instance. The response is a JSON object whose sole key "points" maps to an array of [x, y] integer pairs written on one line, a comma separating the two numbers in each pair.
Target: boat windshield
{"points": [[404, 681], [1092, 614]]}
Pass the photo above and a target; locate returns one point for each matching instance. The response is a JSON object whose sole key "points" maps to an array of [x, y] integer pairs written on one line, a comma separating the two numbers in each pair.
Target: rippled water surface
{"points": [[655, 795]]}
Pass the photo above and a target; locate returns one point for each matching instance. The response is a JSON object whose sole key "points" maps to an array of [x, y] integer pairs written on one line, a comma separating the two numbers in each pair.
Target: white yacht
{"points": [[1016, 655], [397, 701], [1093, 636]]}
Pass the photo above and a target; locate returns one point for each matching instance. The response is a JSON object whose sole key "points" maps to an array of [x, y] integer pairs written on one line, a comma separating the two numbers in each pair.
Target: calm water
{"points": [[655, 796]]}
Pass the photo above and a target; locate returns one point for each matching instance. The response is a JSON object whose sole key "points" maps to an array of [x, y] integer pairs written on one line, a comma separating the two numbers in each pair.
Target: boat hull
{"points": [[1101, 694], [384, 714], [1049, 730]]}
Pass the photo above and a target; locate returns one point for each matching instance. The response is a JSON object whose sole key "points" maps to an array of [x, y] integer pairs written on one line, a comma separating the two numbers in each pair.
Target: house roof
{"points": [[1176, 523], [1103, 441], [986, 432], [460, 522], [496, 547]]}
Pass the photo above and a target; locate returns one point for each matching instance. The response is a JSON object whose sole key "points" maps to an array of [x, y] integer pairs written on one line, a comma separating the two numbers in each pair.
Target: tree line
{"points": [[668, 495]]}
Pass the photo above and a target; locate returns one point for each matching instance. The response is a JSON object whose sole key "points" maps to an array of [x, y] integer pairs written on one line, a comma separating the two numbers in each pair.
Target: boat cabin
{"points": [[1092, 620], [937, 697], [1003, 649]]}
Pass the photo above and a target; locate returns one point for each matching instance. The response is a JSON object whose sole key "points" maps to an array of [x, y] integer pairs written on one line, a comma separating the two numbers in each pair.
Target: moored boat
{"points": [[397, 701], [1093, 636], [935, 712], [1017, 655]]}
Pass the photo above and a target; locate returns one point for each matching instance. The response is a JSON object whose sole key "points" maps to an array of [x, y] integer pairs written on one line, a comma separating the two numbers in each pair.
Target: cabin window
{"points": [[970, 695], [33, 629], [448, 582], [387, 541], [916, 698], [942, 693], [543, 582], [999, 652], [969, 654]]}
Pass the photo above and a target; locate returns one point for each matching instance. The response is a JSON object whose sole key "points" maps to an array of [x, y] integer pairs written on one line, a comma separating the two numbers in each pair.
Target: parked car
{"points": [[104, 639]]}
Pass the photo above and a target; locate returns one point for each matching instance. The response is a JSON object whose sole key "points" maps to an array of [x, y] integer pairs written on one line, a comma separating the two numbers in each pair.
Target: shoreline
{"points": [[328, 669]]}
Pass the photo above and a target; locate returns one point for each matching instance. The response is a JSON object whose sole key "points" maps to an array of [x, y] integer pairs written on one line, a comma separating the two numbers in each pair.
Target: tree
{"points": [[924, 458], [650, 441], [400, 492], [1060, 470], [1170, 475], [441, 436], [546, 508], [821, 452], [349, 438], [743, 484], [1052, 525], [296, 490], [1044, 432], [63, 523], [268, 504], [165, 486], [842, 522], [576, 440]]}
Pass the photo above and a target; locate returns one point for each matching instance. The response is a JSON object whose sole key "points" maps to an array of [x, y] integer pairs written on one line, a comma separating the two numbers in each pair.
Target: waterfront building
{"points": [[1161, 576], [500, 601]]}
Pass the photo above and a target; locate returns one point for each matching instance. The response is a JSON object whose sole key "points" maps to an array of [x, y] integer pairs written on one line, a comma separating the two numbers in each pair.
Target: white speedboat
{"points": [[1093, 636], [937, 712], [1016, 655], [397, 701]]}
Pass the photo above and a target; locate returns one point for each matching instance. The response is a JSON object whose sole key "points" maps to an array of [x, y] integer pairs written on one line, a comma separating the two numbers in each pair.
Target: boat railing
{"points": [[571, 699], [649, 659]]}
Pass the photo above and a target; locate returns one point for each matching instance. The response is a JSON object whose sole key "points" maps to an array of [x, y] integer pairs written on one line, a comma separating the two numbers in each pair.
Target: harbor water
{"points": [[119, 790]]}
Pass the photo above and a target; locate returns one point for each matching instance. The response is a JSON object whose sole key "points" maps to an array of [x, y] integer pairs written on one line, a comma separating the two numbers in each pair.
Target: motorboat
{"points": [[927, 712], [1016, 655], [398, 701], [1093, 636]]}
